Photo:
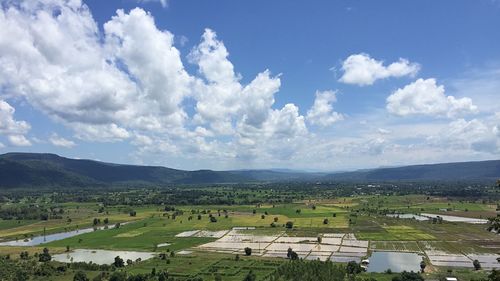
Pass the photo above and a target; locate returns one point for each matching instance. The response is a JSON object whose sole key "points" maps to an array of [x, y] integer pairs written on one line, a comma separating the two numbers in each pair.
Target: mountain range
{"points": [[19, 170]]}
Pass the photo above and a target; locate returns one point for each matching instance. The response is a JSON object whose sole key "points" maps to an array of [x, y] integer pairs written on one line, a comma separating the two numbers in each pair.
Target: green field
{"points": [[152, 225]]}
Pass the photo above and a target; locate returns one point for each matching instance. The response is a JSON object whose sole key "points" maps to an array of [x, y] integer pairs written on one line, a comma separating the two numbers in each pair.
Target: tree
{"points": [[422, 266], [106, 221], [213, 219], [476, 264], [326, 221], [218, 277], [24, 255], [294, 256], [133, 213], [44, 256], [353, 267], [275, 219], [494, 275], [408, 276], [118, 262], [237, 257], [163, 276], [80, 276], [118, 276], [248, 251], [320, 239], [262, 216], [250, 276], [289, 224], [289, 252]]}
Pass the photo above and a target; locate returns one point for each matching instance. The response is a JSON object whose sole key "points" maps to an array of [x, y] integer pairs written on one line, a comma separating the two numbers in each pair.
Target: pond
{"points": [[396, 261], [408, 216], [37, 240], [457, 219], [100, 256]]}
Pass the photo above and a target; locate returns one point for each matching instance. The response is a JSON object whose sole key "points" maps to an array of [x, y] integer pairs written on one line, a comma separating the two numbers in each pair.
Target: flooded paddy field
{"points": [[349, 235], [395, 261], [101, 256], [450, 218], [333, 247]]}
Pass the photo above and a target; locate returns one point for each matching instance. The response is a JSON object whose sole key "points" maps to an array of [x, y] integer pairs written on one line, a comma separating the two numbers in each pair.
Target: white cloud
{"points": [[59, 64], [13, 129], [127, 83], [2, 145], [151, 59], [8, 125], [229, 108], [61, 142], [164, 3], [425, 97], [362, 70], [18, 140], [321, 113], [383, 131], [100, 133], [474, 135]]}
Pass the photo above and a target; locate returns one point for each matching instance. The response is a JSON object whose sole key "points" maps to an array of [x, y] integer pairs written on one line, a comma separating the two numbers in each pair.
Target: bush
{"points": [[44, 256], [250, 276], [353, 267], [80, 276], [248, 251], [118, 262], [408, 276], [477, 265]]}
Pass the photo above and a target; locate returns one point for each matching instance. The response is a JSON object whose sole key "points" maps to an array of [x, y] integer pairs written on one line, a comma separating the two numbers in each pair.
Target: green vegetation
{"points": [[150, 219]]}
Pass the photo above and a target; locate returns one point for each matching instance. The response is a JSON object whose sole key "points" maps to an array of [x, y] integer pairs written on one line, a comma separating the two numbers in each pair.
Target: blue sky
{"points": [[323, 85]]}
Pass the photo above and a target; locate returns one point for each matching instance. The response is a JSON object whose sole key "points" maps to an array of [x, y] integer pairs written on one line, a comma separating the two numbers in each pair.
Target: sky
{"points": [[310, 85]]}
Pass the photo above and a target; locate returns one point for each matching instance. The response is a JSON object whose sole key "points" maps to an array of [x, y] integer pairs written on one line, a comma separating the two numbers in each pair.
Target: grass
{"points": [[150, 228]]}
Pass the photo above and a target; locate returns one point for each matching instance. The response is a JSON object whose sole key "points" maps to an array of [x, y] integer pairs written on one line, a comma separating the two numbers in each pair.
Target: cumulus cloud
{"points": [[474, 135], [18, 140], [425, 97], [150, 58], [13, 129], [321, 113], [228, 107], [362, 70], [100, 133], [61, 66], [223, 98], [61, 142], [128, 82]]}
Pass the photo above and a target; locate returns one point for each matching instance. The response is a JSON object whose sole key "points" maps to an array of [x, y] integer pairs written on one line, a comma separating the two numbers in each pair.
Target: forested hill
{"points": [[50, 170], [461, 171], [47, 170]]}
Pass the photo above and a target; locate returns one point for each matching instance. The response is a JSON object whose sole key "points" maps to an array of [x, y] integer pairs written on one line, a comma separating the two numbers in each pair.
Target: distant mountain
{"points": [[50, 170], [480, 170], [47, 170]]}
